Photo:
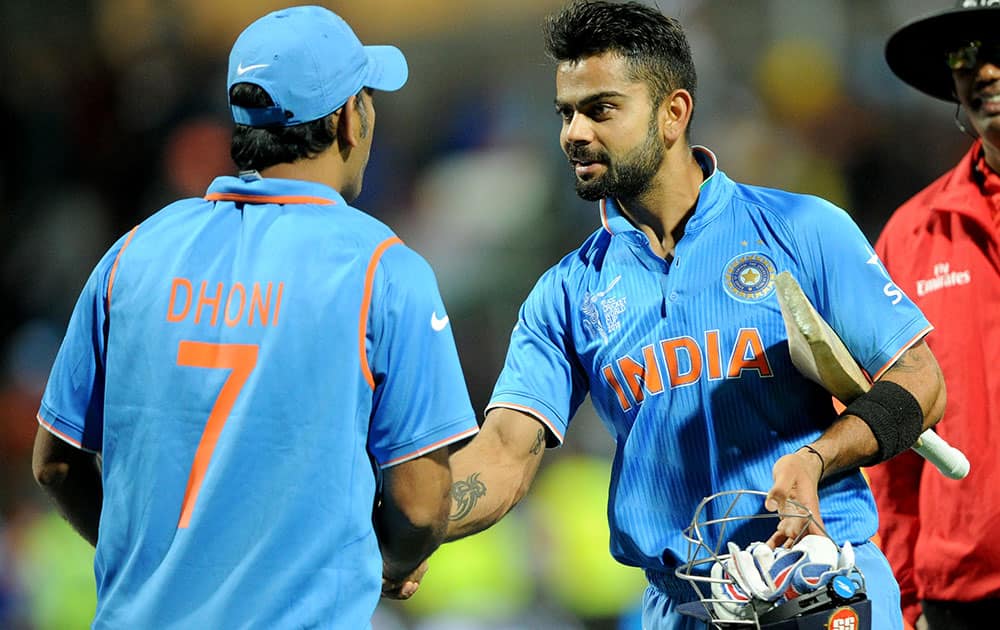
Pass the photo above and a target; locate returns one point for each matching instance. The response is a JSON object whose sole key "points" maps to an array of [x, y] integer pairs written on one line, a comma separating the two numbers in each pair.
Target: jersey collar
{"points": [[714, 192], [250, 187], [961, 192]]}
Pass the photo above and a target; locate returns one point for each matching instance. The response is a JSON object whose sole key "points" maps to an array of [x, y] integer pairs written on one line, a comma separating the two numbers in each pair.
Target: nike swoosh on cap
{"points": [[240, 70]]}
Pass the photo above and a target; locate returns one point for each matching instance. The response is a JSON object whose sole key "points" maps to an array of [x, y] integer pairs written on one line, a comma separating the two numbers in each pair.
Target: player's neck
{"points": [[992, 155], [663, 211], [327, 168]]}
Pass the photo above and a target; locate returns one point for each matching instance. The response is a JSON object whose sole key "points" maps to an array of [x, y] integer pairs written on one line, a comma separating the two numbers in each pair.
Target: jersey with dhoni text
{"points": [[246, 364]]}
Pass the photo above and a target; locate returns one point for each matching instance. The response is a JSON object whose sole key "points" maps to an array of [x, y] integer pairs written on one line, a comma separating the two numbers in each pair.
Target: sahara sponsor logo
{"points": [[889, 290]]}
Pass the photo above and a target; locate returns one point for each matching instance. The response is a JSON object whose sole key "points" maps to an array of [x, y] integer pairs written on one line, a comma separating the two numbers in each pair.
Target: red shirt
{"points": [[941, 248]]}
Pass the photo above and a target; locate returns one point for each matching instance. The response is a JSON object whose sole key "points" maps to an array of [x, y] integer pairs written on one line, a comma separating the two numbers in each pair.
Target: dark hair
{"points": [[256, 148], [653, 44]]}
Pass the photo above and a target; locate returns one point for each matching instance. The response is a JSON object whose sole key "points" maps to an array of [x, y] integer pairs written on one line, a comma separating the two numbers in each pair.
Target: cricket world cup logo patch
{"points": [[612, 307], [749, 277]]}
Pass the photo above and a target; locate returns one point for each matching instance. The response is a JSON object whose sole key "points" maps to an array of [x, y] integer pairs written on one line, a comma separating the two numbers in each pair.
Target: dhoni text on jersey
{"points": [[213, 303]]}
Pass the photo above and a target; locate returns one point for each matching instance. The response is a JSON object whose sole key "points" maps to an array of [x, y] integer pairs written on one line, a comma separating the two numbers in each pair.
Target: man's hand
{"points": [[411, 519], [72, 478], [405, 588], [796, 477]]}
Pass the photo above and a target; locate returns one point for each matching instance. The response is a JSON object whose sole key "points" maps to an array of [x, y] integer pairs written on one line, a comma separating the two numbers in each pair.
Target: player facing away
{"points": [[667, 316], [257, 388], [942, 246]]}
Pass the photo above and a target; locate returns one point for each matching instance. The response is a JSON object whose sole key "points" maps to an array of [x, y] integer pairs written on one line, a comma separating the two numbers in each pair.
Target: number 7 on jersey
{"points": [[240, 359]]}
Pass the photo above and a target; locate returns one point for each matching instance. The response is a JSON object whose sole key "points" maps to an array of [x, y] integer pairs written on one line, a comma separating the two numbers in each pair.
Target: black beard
{"points": [[630, 178]]}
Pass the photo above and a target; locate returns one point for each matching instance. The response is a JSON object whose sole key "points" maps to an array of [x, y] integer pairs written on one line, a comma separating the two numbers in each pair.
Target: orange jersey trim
{"points": [[278, 199], [366, 300], [909, 344], [114, 267], [59, 434], [434, 446]]}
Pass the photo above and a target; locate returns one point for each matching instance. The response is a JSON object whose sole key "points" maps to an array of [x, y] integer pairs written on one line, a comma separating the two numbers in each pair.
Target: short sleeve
{"points": [[421, 402], [854, 293], [541, 376], [72, 406]]}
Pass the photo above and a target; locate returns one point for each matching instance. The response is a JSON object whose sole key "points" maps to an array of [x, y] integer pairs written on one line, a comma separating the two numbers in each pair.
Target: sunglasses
{"points": [[973, 53]]}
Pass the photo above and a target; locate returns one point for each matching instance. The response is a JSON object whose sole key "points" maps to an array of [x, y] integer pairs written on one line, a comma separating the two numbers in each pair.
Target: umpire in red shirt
{"points": [[943, 248]]}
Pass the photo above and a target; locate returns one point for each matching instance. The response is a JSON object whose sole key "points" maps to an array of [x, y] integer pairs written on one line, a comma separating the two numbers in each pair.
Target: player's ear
{"points": [[349, 123], [674, 115]]}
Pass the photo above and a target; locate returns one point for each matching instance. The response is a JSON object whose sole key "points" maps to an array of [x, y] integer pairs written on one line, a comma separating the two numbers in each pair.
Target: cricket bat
{"points": [[820, 355]]}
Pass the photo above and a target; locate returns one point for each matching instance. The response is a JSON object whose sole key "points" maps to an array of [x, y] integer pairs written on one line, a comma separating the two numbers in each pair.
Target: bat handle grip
{"points": [[949, 460]]}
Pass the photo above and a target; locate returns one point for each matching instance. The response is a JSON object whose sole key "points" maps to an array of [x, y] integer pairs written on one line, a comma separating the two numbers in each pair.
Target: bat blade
{"points": [[820, 355], [816, 350]]}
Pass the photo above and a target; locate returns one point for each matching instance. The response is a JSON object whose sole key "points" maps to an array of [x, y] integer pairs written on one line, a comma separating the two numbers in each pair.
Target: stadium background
{"points": [[112, 108]]}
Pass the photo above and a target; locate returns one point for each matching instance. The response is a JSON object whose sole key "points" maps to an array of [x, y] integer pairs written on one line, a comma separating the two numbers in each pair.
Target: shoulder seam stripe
{"points": [[366, 299], [114, 267]]}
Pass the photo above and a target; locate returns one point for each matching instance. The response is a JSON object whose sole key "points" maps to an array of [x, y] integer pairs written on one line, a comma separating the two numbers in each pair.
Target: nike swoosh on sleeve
{"points": [[438, 323]]}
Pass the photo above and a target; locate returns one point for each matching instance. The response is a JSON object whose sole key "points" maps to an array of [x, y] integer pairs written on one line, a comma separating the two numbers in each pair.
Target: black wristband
{"points": [[894, 416]]}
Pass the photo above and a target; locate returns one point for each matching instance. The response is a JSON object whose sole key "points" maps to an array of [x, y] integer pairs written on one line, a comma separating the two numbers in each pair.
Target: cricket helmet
{"points": [[813, 585]]}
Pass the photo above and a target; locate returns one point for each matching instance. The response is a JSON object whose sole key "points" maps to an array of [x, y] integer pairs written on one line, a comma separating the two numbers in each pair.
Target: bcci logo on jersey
{"points": [[749, 277]]}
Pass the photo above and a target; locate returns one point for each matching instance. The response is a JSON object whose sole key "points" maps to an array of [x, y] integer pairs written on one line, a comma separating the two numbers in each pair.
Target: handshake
{"points": [[766, 577]]}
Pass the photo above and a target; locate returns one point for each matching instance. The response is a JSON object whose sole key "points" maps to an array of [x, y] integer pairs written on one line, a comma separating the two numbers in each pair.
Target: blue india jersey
{"points": [[246, 364], [687, 362]]}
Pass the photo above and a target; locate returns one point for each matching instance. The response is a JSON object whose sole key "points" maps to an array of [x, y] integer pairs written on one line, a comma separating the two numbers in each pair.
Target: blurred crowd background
{"points": [[112, 108]]}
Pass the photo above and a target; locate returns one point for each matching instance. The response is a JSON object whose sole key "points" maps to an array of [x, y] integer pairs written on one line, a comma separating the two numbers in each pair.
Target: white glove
{"points": [[823, 564], [730, 601], [763, 572], [759, 573], [775, 575]]}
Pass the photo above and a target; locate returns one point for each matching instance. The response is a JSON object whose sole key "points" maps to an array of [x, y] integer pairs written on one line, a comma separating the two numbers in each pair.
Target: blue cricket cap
{"points": [[310, 62]]}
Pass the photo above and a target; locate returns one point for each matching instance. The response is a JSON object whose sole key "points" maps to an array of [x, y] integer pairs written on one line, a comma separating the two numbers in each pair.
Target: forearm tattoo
{"points": [[464, 495], [539, 442]]}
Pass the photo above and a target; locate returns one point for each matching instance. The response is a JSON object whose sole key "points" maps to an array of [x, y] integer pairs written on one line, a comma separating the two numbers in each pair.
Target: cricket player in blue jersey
{"points": [[251, 411], [667, 317]]}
